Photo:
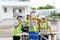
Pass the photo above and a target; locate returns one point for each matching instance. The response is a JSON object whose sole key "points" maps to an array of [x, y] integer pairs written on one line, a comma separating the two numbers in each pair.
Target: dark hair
{"points": [[27, 15], [43, 18], [19, 16]]}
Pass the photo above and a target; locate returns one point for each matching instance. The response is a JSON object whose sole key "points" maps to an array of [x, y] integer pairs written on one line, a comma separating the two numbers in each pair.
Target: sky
{"points": [[37, 3]]}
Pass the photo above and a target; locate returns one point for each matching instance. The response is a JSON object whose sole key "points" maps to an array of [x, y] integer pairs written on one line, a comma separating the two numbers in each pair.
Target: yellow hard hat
{"points": [[34, 17], [38, 18]]}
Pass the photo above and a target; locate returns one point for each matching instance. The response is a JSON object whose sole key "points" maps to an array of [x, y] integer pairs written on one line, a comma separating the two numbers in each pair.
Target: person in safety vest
{"points": [[39, 21], [26, 20], [45, 25], [17, 28], [33, 23]]}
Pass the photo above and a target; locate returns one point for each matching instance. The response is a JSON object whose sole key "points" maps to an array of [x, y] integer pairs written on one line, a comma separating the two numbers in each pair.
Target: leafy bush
{"points": [[33, 8], [48, 6], [55, 15]]}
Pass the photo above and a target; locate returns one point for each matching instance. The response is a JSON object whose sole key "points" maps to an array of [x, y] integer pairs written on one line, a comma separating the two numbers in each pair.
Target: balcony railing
{"points": [[14, 0]]}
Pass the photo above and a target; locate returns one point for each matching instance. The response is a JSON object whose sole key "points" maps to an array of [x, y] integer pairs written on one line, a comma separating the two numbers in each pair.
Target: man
{"points": [[17, 28], [27, 20], [45, 25]]}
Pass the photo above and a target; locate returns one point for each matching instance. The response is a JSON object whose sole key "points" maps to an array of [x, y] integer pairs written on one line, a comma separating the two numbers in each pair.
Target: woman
{"points": [[39, 25]]}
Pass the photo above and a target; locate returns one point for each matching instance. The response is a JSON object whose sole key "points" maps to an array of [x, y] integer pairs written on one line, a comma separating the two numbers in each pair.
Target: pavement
{"points": [[5, 33], [6, 39]]}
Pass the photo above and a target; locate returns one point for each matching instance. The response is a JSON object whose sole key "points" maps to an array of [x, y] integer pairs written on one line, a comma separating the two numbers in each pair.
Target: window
{"points": [[20, 10], [5, 9]]}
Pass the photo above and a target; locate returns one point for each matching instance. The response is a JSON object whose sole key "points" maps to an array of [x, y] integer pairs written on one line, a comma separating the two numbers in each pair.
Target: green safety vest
{"points": [[45, 25], [17, 30], [34, 28], [26, 21]]}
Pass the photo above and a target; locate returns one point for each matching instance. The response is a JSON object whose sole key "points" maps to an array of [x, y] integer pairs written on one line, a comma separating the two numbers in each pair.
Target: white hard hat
{"points": [[42, 16]]}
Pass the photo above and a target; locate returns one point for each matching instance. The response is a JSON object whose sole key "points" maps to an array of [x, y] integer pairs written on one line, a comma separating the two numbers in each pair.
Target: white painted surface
{"points": [[15, 3], [14, 0], [9, 13], [10, 4], [58, 35], [46, 12], [0, 12], [6, 39]]}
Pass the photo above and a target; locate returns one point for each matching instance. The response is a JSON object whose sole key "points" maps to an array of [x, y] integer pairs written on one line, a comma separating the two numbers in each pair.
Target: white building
{"points": [[12, 8]]}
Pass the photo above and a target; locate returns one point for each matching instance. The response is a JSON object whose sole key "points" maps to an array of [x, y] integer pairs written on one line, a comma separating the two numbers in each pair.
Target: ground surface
{"points": [[6, 39]]}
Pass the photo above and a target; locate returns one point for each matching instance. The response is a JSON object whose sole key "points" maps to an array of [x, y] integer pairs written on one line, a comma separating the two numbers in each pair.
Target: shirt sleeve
{"points": [[14, 24], [31, 24]]}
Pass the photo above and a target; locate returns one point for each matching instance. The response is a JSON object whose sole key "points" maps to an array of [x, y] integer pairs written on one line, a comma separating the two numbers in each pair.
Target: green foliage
{"points": [[33, 8], [54, 14], [48, 6], [41, 7]]}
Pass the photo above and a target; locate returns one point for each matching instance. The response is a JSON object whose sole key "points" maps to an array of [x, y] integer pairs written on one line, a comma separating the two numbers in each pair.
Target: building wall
{"points": [[16, 11], [14, 0], [9, 13], [9, 0], [46, 12], [27, 10], [1, 12]]}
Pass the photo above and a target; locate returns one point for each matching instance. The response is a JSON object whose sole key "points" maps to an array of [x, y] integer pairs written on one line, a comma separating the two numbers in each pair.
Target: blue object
{"points": [[33, 32], [33, 35], [31, 24]]}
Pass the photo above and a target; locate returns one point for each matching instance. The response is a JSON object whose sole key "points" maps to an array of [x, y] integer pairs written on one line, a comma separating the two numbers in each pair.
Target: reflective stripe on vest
{"points": [[17, 30]]}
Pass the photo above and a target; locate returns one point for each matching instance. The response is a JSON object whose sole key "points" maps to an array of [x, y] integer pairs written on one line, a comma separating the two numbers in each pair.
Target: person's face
{"points": [[19, 19], [44, 19], [33, 20], [28, 17], [38, 20]]}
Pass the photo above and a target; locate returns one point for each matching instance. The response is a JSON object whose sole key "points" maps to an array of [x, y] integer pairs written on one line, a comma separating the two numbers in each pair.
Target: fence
{"points": [[46, 12]]}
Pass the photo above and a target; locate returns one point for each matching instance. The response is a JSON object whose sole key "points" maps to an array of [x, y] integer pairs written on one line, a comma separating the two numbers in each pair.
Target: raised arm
{"points": [[30, 14]]}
